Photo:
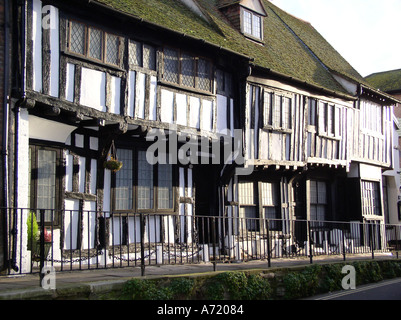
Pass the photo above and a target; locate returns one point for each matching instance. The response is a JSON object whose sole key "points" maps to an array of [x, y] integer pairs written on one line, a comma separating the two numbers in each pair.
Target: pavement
{"points": [[90, 284]]}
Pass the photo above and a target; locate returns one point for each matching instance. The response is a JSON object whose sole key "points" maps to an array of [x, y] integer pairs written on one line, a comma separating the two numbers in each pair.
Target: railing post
{"points": [[344, 242], [42, 245], [310, 242], [214, 242], [142, 231], [372, 241], [268, 244]]}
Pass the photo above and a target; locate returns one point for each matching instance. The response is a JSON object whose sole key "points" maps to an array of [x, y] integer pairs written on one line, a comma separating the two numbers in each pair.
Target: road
{"points": [[384, 290]]}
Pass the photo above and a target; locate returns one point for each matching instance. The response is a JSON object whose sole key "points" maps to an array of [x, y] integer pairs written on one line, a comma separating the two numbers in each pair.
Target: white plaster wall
{"points": [[167, 106], [93, 89], [207, 115], [181, 101], [115, 95], [54, 52], [194, 117], [37, 45], [153, 99], [131, 93], [69, 88], [140, 95], [71, 216], [89, 225]]}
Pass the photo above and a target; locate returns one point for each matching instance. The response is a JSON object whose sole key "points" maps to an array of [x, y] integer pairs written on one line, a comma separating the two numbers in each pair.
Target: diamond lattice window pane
{"points": [[112, 49], [188, 73], [77, 38], [170, 66], [204, 75], [149, 57], [135, 53], [95, 43]]}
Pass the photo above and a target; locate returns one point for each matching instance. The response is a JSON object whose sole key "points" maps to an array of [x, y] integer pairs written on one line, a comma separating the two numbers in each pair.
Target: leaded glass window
{"points": [[318, 200], [140, 186], [204, 75], [171, 65], [124, 181], [44, 183], [252, 24], [77, 37], [93, 43], [187, 70], [145, 182], [112, 49]]}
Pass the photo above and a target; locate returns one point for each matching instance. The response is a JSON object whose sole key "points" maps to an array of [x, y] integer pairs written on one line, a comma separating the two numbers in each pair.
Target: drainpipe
{"points": [[18, 104], [5, 122]]}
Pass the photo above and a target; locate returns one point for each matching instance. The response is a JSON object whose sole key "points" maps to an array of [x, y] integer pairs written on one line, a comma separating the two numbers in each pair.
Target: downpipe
{"points": [[19, 103]]}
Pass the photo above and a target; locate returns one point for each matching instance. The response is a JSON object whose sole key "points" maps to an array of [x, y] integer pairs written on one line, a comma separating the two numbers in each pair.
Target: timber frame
{"points": [[308, 139]]}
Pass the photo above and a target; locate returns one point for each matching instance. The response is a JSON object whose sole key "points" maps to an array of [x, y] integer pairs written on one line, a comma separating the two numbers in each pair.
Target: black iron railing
{"points": [[78, 239]]}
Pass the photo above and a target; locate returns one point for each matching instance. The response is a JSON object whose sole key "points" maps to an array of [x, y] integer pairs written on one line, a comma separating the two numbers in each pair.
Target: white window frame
{"points": [[254, 33]]}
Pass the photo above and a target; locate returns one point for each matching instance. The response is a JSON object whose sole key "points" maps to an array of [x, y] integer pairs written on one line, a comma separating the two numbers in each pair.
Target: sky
{"points": [[367, 33]]}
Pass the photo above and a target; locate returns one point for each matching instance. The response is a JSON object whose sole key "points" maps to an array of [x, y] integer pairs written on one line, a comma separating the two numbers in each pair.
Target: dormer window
{"points": [[252, 24], [246, 16]]}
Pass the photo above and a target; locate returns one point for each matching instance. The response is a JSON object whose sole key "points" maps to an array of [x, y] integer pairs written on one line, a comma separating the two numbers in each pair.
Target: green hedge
{"points": [[271, 284]]}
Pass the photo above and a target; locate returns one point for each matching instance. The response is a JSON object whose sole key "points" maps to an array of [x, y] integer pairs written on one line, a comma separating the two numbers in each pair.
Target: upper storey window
{"points": [[187, 70], [252, 24], [93, 43]]}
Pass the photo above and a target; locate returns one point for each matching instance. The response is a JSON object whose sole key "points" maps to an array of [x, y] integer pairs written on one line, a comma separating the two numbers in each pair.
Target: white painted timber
{"points": [[167, 106], [115, 95]]}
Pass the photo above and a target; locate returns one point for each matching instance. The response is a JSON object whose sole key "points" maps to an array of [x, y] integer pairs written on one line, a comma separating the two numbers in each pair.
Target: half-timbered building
{"points": [[178, 81]]}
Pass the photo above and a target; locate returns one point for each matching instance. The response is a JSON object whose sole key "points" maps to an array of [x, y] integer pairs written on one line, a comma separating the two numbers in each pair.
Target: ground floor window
{"points": [[318, 200], [371, 203], [44, 183], [260, 197], [140, 186]]}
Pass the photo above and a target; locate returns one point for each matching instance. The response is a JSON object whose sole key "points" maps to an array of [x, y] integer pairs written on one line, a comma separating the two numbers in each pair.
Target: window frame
{"points": [[196, 71], [260, 207], [86, 45], [155, 204], [328, 119], [33, 179], [366, 198], [243, 26], [316, 204], [270, 109]]}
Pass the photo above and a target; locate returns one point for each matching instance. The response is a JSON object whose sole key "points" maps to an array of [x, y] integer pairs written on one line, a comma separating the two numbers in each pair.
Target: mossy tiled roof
{"points": [[388, 81], [292, 47]]}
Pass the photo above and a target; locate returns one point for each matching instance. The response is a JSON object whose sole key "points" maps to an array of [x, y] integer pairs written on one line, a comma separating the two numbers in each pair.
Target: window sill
{"points": [[92, 61], [188, 89], [279, 130]]}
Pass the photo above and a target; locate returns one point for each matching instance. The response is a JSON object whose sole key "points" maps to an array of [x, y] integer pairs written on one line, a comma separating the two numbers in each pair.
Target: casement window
{"points": [[140, 186], [371, 117], [312, 112], [329, 120], [252, 24], [271, 204], [277, 110], [250, 204], [187, 70], [93, 43], [318, 200], [371, 200], [142, 55], [224, 83], [45, 182]]}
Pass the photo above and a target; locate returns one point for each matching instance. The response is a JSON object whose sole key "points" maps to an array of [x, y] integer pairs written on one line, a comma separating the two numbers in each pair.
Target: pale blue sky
{"points": [[367, 33]]}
